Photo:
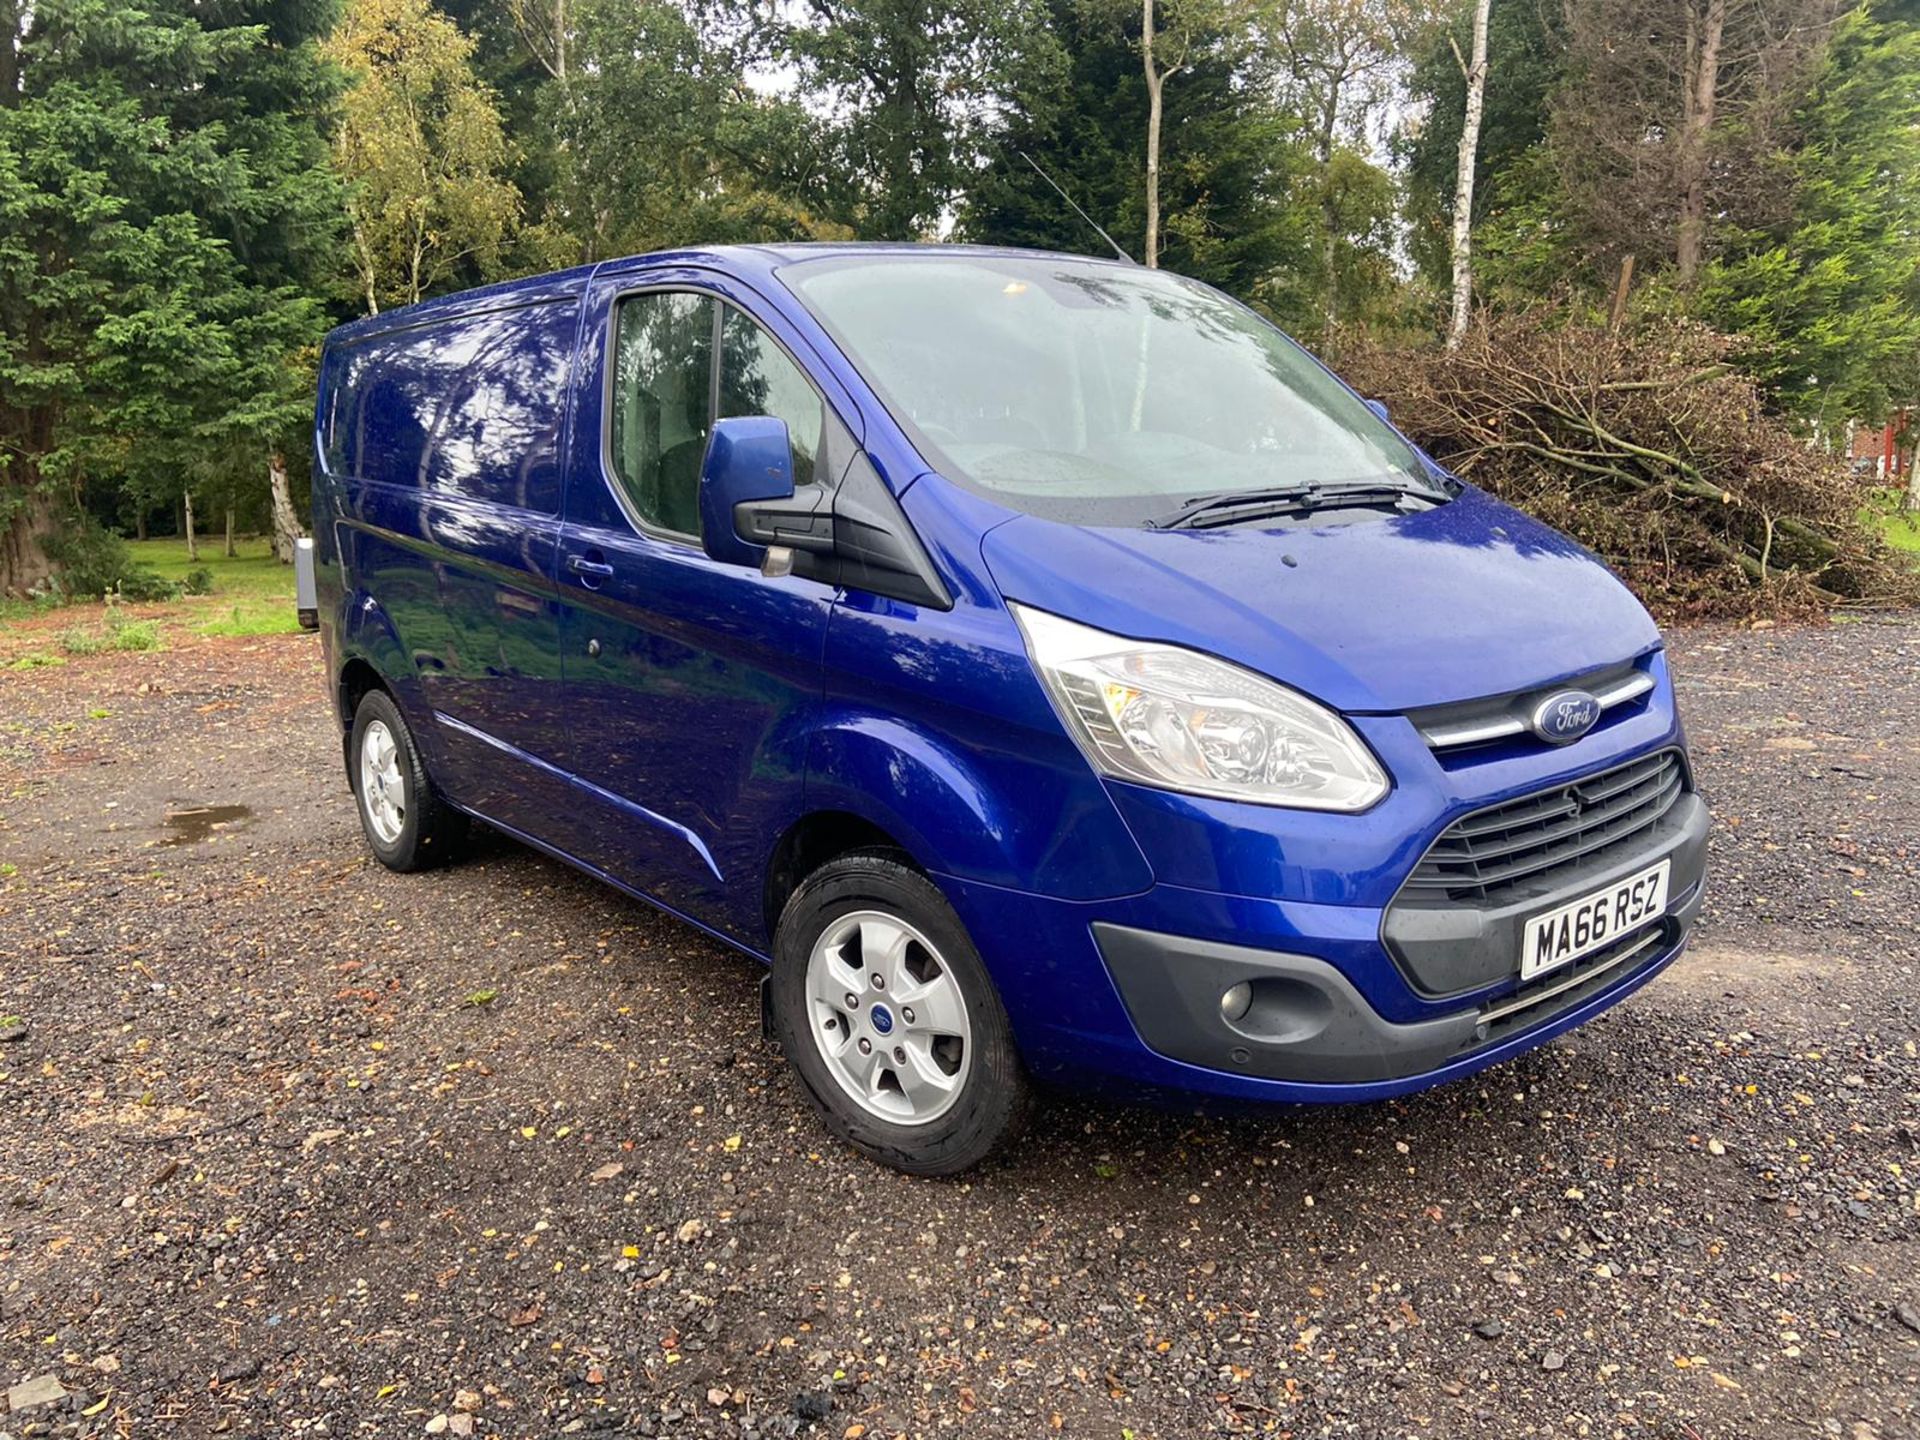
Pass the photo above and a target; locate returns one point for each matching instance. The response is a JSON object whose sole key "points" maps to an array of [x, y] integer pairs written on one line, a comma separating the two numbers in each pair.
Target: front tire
{"points": [[407, 825], [886, 1012]]}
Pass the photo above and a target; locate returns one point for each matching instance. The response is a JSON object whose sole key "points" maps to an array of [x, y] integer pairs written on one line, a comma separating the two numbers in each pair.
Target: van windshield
{"points": [[1094, 392]]}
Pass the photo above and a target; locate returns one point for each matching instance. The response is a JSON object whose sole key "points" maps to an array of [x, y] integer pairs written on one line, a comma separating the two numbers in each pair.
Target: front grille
{"points": [[1483, 856]]}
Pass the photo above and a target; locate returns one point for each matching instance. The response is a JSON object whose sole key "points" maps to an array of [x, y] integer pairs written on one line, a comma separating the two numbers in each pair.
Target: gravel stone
{"points": [[385, 1205]]}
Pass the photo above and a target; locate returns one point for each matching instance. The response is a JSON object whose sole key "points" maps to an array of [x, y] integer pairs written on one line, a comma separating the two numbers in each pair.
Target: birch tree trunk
{"points": [[1329, 208], [230, 551], [1155, 82], [193, 541], [1463, 180], [1705, 31], [286, 520], [1912, 500]]}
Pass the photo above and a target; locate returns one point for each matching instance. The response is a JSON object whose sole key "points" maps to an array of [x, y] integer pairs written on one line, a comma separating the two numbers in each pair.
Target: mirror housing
{"points": [[748, 460], [852, 535], [1379, 407]]}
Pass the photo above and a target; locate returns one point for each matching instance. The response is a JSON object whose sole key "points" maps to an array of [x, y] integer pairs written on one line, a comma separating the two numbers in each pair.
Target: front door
{"points": [[683, 676]]}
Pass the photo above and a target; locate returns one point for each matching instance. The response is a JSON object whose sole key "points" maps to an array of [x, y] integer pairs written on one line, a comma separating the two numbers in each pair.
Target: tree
{"points": [[422, 147], [1669, 116], [1333, 63], [1080, 110], [1476, 77], [1524, 58], [545, 30], [1158, 70], [165, 217], [658, 140], [911, 85], [1827, 298]]}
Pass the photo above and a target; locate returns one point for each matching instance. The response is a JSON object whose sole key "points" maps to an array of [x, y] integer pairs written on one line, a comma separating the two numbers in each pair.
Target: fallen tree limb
{"points": [[1653, 449]]}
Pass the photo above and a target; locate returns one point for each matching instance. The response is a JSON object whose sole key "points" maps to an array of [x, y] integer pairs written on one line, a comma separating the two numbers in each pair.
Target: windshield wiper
{"points": [[1229, 507]]}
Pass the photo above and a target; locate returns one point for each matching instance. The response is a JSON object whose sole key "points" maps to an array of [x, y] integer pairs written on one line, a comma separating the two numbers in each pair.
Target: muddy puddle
{"points": [[192, 824]]}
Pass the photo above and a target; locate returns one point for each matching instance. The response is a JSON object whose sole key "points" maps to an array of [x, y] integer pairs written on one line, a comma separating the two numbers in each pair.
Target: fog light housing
{"points": [[1234, 1002]]}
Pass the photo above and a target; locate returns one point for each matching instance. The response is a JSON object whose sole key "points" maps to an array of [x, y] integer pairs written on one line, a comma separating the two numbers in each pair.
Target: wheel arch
{"points": [[974, 810], [371, 658], [816, 838]]}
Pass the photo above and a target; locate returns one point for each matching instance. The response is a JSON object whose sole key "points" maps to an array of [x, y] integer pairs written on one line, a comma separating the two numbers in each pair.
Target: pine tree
{"points": [[1228, 158], [1828, 300], [165, 212]]}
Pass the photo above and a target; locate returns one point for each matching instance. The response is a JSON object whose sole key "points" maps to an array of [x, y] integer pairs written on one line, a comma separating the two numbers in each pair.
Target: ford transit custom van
{"points": [[1049, 670]]}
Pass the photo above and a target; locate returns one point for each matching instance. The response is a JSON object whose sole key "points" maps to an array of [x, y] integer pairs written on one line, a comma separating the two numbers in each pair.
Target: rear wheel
{"points": [[407, 825], [886, 1011]]}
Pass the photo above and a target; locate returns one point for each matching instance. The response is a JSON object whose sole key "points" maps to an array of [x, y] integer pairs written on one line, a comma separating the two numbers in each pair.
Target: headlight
{"points": [[1180, 720]]}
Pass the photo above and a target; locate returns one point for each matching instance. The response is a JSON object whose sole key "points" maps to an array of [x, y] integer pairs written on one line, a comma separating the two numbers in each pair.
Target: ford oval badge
{"points": [[1564, 716]]}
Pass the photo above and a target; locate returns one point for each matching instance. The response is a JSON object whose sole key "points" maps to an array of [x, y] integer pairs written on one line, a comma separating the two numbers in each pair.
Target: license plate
{"points": [[1589, 923]]}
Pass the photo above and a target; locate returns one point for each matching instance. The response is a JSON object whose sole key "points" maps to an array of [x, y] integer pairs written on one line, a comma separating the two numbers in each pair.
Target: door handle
{"points": [[589, 567]]}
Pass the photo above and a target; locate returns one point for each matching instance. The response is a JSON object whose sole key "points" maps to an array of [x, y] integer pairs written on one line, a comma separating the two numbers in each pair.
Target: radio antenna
{"points": [[1112, 244]]}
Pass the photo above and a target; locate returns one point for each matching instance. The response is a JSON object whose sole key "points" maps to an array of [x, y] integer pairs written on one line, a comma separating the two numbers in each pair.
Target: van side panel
{"points": [[690, 682], [442, 444]]}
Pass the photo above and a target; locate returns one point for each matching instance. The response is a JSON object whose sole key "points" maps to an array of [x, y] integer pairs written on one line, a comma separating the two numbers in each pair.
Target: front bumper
{"points": [[1124, 994], [1306, 1022]]}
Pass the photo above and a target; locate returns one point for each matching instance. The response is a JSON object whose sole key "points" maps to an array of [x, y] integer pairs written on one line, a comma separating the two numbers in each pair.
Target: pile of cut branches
{"points": [[1653, 449]]}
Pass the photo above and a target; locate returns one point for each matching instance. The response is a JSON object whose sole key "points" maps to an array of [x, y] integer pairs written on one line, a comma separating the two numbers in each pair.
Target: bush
{"points": [[92, 562], [198, 582], [1651, 448]]}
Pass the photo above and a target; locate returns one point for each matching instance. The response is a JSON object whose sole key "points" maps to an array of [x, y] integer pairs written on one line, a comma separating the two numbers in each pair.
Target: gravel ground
{"points": [[294, 1146]]}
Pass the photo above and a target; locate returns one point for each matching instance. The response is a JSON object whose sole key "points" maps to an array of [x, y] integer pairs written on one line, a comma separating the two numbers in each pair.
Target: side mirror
{"points": [[748, 459], [1379, 407]]}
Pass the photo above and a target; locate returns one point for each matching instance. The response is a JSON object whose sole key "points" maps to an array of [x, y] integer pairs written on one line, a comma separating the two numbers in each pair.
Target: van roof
{"points": [[743, 260]]}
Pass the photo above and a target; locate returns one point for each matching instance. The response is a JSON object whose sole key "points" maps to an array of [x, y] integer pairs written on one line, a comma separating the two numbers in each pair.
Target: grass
{"points": [[1901, 528], [251, 594], [247, 594], [116, 631]]}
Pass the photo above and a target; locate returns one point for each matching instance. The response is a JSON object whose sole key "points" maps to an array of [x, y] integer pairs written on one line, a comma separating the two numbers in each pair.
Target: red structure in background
{"points": [[1885, 445]]}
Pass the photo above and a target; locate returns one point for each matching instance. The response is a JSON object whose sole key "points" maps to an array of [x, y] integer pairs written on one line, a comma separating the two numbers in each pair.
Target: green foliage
{"points": [[198, 582], [1827, 302], [909, 83], [1350, 273], [1080, 110], [660, 141], [116, 631], [92, 562], [1524, 60], [422, 146], [1527, 247], [165, 216]]}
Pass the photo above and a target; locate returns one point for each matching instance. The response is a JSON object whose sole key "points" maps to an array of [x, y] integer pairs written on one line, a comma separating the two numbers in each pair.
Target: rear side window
{"points": [[757, 378], [469, 407], [662, 405]]}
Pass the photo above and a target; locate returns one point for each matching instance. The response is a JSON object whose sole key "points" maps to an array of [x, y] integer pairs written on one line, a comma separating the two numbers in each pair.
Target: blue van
{"points": [[1043, 665]]}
